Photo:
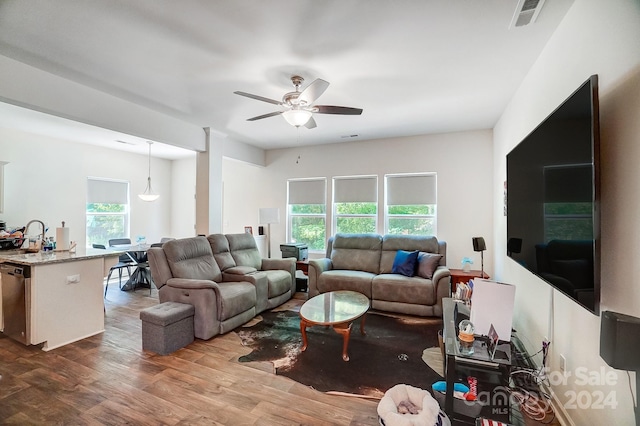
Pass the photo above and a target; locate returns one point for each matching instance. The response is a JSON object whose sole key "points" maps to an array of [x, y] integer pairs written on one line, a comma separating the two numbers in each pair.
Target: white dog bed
{"points": [[405, 405]]}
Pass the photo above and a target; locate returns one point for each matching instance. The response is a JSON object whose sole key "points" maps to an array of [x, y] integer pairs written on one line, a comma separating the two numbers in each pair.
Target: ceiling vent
{"points": [[527, 12]]}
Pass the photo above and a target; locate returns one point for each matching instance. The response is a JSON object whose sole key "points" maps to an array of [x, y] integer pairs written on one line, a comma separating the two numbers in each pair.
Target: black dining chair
{"points": [[118, 266]]}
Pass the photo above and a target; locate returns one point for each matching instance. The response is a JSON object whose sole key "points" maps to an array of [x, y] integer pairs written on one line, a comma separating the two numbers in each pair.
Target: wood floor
{"points": [[109, 379]]}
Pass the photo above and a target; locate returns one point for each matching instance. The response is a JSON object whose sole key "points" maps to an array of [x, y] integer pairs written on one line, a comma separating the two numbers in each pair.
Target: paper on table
{"points": [[492, 303]]}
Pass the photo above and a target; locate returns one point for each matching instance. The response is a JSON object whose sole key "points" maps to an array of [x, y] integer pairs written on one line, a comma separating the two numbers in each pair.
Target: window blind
{"points": [[355, 189], [405, 190], [107, 191], [308, 191]]}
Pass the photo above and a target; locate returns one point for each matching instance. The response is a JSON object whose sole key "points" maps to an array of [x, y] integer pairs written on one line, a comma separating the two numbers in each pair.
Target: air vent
{"points": [[527, 12], [124, 142]]}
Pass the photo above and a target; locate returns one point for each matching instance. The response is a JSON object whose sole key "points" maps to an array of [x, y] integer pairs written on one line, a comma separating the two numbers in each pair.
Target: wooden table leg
{"points": [[303, 331], [345, 330], [362, 325]]}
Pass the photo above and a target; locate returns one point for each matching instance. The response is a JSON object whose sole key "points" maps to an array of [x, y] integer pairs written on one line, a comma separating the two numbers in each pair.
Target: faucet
{"points": [[44, 228]]}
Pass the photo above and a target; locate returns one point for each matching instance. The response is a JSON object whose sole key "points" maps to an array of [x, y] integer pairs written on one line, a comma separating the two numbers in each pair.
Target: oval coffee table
{"points": [[339, 309]]}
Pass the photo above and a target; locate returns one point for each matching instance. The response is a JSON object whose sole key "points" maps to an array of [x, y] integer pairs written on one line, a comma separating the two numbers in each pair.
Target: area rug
{"points": [[390, 353]]}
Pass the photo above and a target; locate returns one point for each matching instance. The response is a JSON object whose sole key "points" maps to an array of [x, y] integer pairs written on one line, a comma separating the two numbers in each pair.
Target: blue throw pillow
{"points": [[405, 263]]}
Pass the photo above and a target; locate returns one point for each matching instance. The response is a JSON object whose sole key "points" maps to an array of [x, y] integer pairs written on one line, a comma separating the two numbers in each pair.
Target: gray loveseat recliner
{"points": [[223, 277], [363, 263]]}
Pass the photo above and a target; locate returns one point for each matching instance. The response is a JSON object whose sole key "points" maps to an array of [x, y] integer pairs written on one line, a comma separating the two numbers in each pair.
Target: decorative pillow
{"points": [[427, 264], [405, 263]]}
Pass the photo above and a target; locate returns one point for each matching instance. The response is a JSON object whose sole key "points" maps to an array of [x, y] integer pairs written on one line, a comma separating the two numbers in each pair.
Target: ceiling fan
{"points": [[298, 108]]}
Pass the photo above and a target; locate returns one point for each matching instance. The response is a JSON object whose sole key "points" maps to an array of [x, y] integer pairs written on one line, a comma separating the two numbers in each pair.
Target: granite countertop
{"points": [[44, 257]]}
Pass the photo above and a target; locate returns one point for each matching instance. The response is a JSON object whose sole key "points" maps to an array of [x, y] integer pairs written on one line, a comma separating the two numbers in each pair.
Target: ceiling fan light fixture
{"points": [[297, 117], [148, 194]]}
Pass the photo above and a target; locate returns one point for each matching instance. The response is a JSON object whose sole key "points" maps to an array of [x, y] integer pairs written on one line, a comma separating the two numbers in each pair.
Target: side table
{"points": [[303, 265], [460, 276], [302, 283]]}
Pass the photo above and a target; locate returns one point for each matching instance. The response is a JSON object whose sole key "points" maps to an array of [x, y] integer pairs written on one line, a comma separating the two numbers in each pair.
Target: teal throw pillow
{"points": [[405, 263]]}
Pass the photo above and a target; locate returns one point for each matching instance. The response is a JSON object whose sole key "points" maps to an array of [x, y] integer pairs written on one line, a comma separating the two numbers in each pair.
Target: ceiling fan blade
{"points": [[259, 98], [311, 123], [313, 91], [260, 117], [330, 109]]}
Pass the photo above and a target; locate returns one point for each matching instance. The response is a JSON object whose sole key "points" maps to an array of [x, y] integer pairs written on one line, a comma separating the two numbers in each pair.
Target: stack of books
{"points": [[463, 291]]}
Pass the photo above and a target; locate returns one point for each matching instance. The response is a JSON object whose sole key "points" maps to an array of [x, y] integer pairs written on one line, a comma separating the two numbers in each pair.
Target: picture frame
{"points": [[248, 230]]}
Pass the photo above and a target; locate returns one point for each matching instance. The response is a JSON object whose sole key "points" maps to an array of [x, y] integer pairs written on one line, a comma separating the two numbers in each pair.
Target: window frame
{"points": [[372, 198], [429, 195], [314, 197], [126, 214]]}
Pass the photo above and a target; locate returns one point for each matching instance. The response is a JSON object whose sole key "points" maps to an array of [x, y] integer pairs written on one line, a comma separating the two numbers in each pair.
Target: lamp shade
{"points": [[297, 117], [478, 244], [269, 215]]}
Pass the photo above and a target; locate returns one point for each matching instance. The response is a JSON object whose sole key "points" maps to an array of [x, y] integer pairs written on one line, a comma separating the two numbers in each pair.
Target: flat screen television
{"points": [[553, 194]]}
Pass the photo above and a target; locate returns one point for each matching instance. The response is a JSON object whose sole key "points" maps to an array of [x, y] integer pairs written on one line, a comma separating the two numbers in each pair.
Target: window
{"points": [[107, 210], [307, 212], [355, 204], [410, 204]]}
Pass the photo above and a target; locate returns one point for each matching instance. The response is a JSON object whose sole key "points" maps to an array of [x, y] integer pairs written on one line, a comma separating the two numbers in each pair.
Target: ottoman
{"points": [[167, 327]]}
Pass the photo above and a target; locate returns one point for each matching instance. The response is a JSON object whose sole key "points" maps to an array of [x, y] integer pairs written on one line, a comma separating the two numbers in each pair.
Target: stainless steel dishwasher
{"points": [[15, 303]]}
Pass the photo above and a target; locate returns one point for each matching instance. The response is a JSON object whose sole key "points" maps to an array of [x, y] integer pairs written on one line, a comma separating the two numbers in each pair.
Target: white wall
{"points": [[46, 180], [463, 162], [594, 38], [183, 203]]}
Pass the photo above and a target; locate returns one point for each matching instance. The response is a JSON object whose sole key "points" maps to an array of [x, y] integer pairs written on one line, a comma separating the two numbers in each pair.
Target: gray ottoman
{"points": [[167, 327]]}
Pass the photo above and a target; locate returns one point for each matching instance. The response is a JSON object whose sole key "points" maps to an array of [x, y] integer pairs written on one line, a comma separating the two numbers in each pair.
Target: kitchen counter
{"points": [[31, 259], [63, 293]]}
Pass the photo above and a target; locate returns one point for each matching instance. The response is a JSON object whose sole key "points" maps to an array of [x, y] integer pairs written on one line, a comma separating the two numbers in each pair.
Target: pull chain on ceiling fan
{"points": [[298, 105]]}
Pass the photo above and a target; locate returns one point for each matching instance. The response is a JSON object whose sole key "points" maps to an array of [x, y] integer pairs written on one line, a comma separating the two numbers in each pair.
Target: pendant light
{"points": [[148, 194]]}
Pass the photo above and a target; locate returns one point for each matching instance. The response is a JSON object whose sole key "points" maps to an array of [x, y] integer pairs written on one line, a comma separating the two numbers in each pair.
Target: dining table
{"points": [[141, 276]]}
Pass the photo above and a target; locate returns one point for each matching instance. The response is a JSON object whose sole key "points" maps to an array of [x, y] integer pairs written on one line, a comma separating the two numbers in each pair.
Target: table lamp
{"points": [[479, 245], [267, 217]]}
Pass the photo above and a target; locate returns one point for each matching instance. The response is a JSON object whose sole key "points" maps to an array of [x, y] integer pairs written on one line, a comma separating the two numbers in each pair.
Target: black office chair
{"points": [[118, 266]]}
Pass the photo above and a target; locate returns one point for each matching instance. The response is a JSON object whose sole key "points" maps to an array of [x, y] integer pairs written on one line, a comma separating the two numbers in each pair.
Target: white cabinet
{"points": [[261, 242]]}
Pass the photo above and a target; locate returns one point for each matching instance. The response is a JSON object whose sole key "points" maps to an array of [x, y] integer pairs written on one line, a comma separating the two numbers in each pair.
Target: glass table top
{"points": [[335, 307]]}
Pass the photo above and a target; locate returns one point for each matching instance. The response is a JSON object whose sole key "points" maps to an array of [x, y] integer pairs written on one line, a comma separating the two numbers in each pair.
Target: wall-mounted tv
{"points": [[553, 193]]}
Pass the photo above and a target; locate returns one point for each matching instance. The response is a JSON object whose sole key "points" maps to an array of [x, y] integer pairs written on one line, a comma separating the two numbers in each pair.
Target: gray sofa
{"points": [[364, 262], [223, 277]]}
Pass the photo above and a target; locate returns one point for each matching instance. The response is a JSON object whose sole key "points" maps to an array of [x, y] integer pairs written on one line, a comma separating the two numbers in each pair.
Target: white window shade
{"points": [[355, 190], [107, 191], [308, 191], [411, 190]]}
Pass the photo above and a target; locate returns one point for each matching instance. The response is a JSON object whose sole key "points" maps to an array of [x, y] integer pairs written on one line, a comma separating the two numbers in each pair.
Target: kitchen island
{"points": [[63, 294]]}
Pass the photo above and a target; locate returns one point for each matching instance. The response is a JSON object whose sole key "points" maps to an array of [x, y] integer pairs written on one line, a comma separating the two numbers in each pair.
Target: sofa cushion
{"points": [[398, 288], [279, 282], [236, 298], [192, 258], [392, 243], [427, 264], [244, 250], [356, 252], [405, 263], [333, 280], [221, 252]]}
